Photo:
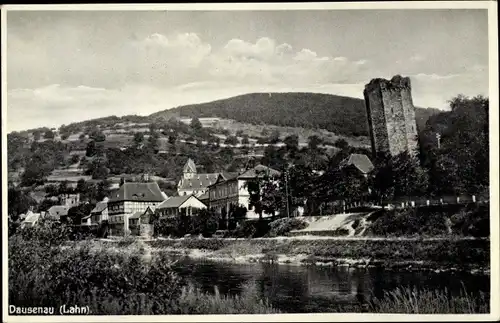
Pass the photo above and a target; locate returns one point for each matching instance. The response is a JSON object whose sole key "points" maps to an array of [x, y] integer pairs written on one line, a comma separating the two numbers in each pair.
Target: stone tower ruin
{"points": [[391, 116]]}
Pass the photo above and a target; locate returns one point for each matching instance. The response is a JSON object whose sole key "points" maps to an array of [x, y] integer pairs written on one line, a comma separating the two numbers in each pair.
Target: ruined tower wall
{"points": [[410, 120], [391, 115], [376, 120], [395, 120]]}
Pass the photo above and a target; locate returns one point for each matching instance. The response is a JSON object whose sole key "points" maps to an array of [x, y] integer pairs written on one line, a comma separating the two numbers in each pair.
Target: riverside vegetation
{"points": [[45, 269]]}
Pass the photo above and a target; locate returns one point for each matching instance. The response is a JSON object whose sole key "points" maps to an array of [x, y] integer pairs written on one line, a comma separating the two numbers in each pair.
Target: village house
{"points": [[58, 212], [230, 190], [70, 199], [129, 199], [192, 183], [100, 212], [359, 162], [188, 205], [30, 219], [141, 223]]}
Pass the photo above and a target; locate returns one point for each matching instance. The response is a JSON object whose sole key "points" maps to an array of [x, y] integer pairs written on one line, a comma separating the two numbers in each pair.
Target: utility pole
{"points": [[438, 137], [287, 173]]}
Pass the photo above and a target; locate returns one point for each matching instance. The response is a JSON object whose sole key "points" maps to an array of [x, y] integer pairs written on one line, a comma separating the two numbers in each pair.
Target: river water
{"points": [[307, 289]]}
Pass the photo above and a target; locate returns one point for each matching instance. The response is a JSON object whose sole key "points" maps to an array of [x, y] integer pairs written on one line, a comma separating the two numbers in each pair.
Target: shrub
{"points": [[471, 221], [245, 230], [281, 227], [423, 301]]}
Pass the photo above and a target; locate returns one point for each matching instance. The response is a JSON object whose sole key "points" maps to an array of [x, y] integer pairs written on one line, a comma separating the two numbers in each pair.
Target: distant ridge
{"points": [[339, 114]]}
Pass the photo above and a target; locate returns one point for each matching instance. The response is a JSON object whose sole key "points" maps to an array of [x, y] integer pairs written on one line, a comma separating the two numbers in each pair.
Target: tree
{"points": [[35, 171], [153, 138], [383, 179], [245, 140], [138, 139], [461, 162], [214, 141], [207, 222], [231, 140], [341, 144], [63, 187], [273, 157], [81, 186], [36, 135], [196, 124], [48, 134], [76, 213], [292, 146], [409, 178], [266, 194], [19, 202], [91, 149], [74, 160], [314, 142], [97, 135], [274, 138]]}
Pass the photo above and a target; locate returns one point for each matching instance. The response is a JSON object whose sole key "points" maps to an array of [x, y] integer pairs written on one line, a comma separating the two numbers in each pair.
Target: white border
{"points": [[491, 6]]}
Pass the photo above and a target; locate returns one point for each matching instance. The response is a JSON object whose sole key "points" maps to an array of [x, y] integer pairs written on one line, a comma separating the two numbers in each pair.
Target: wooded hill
{"points": [[339, 114]]}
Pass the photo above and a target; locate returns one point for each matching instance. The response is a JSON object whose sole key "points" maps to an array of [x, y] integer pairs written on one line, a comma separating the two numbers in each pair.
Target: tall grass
{"points": [[424, 301], [115, 281], [193, 301]]}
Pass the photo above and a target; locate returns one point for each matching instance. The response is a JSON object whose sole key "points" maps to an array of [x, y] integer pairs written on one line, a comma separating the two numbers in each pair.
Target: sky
{"points": [[68, 66]]}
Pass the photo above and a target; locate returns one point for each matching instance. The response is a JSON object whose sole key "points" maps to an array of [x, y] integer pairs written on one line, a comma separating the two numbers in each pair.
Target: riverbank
{"points": [[438, 254]]}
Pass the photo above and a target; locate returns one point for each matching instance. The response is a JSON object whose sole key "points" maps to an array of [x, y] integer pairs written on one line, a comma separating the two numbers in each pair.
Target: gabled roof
{"points": [[199, 181], [259, 170], [229, 175], [137, 215], [99, 207], [189, 167], [204, 196], [58, 210], [360, 161], [175, 201], [32, 217], [145, 192]]}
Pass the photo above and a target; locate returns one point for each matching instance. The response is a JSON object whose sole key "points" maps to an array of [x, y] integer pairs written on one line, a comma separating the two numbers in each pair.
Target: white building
{"points": [[230, 190], [180, 205]]}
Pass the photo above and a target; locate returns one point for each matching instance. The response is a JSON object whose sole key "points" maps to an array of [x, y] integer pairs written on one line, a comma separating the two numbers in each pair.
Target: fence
{"points": [[407, 202]]}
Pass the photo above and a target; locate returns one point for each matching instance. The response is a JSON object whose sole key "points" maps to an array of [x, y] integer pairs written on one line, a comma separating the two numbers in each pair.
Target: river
{"points": [[307, 289]]}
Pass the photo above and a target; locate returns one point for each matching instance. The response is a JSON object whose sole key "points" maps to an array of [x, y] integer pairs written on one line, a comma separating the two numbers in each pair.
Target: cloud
{"points": [[434, 90], [267, 62], [160, 71]]}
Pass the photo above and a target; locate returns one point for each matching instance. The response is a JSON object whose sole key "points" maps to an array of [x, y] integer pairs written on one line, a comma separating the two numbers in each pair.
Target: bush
{"points": [[281, 227], [245, 230], [468, 221], [472, 221]]}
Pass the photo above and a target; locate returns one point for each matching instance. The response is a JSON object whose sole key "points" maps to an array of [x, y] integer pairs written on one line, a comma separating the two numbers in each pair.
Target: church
{"points": [[194, 183]]}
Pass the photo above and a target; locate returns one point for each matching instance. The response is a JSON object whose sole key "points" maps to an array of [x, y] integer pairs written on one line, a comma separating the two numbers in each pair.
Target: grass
{"points": [[424, 301], [193, 301]]}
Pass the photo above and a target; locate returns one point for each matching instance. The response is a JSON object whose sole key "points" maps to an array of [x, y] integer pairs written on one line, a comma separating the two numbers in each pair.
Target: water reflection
{"points": [[301, 289]]}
